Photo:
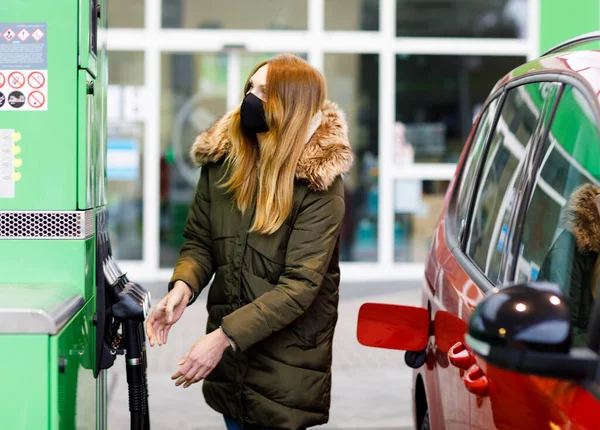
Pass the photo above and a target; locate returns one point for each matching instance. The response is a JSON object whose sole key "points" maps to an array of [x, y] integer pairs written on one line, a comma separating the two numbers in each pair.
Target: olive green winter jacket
{"points": [[275, 295]]}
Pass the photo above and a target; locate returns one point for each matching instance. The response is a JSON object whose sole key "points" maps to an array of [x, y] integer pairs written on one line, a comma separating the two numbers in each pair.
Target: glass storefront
{"points": [[235, 14], [462, 18], [352, 15], [126, 117], [432, 102], [353, 83], [437, 99], [126, 14], [417, 206]]}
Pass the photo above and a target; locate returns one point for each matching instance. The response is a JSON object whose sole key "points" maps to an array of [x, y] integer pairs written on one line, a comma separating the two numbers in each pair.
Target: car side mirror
{"points": [[404, 328], [526, 328]]}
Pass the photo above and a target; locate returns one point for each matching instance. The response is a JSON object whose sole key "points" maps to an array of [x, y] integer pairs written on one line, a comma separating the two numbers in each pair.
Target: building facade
{"points": [[411, 76]]}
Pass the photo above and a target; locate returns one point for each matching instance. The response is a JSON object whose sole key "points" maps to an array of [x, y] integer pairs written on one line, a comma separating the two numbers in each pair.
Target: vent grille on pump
{"points": [[46, 225]]}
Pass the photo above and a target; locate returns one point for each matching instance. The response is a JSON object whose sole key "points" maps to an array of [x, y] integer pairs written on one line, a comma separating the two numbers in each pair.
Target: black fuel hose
{"points": [[136, 375]]}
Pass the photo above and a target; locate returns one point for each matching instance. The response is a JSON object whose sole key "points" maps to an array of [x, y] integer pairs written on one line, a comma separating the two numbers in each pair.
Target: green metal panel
{"points": [[87, 59], [48, 137], [73, 388], [24, 374], [49, 262], [562, 20], [100, 98], [63, 169]]}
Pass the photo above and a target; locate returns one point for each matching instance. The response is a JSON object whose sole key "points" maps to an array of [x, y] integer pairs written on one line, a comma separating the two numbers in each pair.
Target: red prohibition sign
{"points": [[36, 80], [2, 80], [36, 99], [16, 80]]}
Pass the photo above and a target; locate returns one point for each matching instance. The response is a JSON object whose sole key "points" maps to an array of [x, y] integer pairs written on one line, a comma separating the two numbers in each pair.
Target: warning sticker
{"points": [[36, 80], [36, 100], [7, 164], [16, 80], [23, 34], [24, 66]]}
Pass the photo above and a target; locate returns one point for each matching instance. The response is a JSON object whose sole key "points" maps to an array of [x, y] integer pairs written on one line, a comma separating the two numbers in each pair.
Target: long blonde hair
{"points": [[295, 93]]}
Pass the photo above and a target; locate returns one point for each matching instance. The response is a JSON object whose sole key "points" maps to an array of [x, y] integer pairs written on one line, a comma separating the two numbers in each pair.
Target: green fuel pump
{"points": [[66, 309]]}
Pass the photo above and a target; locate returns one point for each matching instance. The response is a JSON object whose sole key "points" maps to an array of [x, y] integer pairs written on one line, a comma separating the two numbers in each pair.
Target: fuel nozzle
{"points": [[131, 300]]}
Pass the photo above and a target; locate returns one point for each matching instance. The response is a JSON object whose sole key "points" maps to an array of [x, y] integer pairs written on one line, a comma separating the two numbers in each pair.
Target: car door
{"points": [[556, 239], [483, 217], [447, 398]]}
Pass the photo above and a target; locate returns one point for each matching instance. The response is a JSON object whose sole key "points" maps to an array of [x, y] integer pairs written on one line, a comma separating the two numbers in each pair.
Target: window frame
{"points": [[455, 236], [566, 80], [457, 243], [593, 334], [453, 231], [523, 188]]}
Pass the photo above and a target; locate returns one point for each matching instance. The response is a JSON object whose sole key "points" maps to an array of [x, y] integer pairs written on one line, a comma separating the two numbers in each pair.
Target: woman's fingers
{"points": [[199, 376], [150, 331], [195, 379], [159, 335], [192, 371], [180, 381], [167, 333], [169, 305], [183, 359]]}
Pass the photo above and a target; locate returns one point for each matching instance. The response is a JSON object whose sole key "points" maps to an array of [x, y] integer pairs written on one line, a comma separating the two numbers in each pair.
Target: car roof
{"points": [[584, 65]]}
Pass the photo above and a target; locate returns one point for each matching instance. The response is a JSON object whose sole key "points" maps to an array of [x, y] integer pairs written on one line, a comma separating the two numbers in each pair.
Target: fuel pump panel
{"points": [[66, 309]]}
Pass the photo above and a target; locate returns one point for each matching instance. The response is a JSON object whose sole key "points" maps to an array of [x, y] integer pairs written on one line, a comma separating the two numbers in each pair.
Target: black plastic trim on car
{"points": [[534, 78]]}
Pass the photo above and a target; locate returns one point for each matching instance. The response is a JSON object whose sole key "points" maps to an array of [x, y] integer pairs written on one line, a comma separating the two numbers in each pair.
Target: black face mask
{"points": [[253, 115]]}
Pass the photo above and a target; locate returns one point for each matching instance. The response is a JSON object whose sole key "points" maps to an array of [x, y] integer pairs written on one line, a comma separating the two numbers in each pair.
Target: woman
{"points": [[265, 221]]}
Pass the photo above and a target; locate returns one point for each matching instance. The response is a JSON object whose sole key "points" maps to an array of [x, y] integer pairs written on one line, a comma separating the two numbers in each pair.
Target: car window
{"points": [[465, 189], [561, 231], [517, 127]]}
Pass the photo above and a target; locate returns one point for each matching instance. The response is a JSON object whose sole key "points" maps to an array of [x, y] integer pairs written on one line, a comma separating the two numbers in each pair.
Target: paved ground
{"points": [[371, 387]]}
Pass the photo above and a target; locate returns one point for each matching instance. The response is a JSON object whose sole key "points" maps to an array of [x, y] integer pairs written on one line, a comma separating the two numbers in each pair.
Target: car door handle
{"points": [[476, 381], [460, 356]]}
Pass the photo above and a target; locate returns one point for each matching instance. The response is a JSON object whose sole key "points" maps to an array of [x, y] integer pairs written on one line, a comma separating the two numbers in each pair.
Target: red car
{"points": [[509, 333]]}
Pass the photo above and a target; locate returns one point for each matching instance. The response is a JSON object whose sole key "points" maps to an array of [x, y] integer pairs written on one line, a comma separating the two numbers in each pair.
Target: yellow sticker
{"points": [[16, 176], [17, 162], [16, 150], [16, 136]]}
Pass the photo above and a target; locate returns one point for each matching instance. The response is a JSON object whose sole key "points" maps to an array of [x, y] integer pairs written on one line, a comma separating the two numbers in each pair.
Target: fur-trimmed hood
{"points": [[326, 156], [582, 219]]}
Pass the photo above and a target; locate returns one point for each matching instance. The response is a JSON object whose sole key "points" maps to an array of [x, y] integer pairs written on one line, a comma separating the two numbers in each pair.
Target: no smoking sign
{"points": [[36, 99], [16, 80], [36, 80]]}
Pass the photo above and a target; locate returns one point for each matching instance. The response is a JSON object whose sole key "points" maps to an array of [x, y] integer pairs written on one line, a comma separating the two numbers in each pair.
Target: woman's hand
{"points": [[167, 312], [201, 359]]}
